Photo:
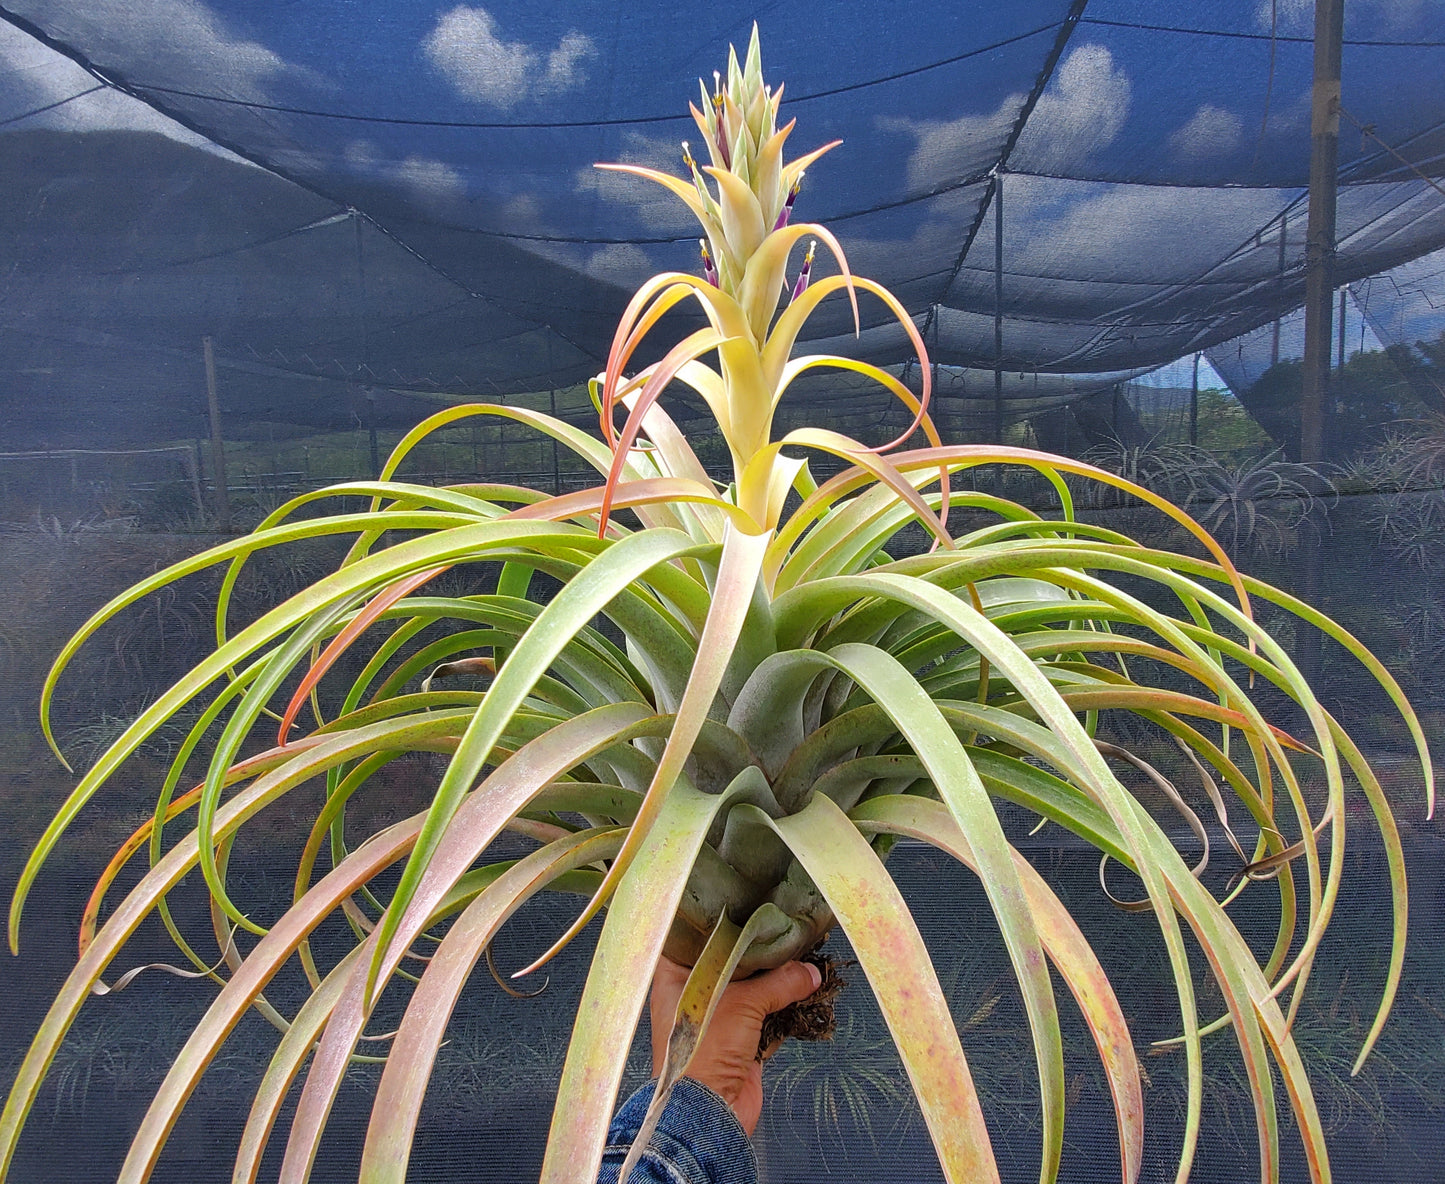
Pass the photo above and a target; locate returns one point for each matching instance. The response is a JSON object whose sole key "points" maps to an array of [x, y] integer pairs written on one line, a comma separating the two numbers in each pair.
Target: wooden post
{"points": [[1319, 286], [218, 447]]}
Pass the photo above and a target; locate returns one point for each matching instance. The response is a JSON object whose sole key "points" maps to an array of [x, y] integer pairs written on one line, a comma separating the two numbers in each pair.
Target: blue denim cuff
{"points": [[698, 1140]]}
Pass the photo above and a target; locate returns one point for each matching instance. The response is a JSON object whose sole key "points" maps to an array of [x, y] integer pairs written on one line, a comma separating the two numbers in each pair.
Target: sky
{"points": [[537, 93]]}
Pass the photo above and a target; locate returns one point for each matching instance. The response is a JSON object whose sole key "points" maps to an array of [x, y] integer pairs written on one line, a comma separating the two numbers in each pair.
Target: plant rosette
{"points": [[790, 699]]}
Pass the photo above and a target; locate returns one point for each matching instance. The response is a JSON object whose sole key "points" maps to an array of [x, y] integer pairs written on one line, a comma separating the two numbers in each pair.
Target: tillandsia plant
{"points": [[790, 701]]}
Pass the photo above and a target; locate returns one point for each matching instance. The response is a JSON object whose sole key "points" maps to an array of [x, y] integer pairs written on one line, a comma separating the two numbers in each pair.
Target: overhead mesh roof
{"points": [[425, 219], [374, 206]]}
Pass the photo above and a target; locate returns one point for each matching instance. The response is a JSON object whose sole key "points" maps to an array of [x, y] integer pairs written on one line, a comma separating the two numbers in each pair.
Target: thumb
{"points": [[791, 982]]}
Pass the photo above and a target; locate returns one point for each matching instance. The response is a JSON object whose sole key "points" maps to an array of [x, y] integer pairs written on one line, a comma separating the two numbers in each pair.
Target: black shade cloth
{"points": [[400, 196]]}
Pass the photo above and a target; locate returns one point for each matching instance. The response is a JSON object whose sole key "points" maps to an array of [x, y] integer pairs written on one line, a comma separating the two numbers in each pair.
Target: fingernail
{"points": [[815, 974]]}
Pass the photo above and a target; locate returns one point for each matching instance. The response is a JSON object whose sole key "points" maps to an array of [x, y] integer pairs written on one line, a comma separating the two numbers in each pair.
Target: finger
{"points": [[669, 973], [667, 983], [791, 982]]}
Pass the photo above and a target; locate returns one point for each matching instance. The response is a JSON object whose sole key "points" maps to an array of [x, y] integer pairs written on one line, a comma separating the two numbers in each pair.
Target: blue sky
{"points": [[925, 95]]}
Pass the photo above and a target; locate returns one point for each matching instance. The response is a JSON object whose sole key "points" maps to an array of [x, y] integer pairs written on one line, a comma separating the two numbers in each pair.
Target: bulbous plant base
{"points": [[807, 923], [814, 1018]]}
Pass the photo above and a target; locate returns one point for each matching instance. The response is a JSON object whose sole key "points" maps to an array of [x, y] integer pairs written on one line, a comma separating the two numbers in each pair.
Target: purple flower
{"points": [[787, 211], [802, 285]]}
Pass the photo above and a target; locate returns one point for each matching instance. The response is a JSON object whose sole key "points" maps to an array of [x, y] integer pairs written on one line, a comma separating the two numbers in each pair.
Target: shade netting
{"points": [[400, 197]]}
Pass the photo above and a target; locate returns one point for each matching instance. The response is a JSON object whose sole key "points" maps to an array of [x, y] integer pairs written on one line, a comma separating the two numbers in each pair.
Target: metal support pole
{"points": [[998, 307], [1320, 233], [194, 465], [936, 410], [1194, 404], [218, 448], [371, 434], [552, 400], [556, 457], [1274, 341], [365, 346], [1340, 362]]}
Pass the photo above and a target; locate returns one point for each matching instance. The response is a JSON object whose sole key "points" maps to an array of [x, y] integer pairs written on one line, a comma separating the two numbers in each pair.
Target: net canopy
{"points": [[372, 208], [369, 207]]}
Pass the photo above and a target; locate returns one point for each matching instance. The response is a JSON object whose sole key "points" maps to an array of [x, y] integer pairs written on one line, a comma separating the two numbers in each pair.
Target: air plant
{"points": [[1259, 505], [851, 1082], [1153, 464], [788, 701], [1255, 506]]}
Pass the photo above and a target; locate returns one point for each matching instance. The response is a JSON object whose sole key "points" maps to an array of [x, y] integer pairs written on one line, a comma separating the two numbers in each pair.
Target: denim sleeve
{"points": [[698, 1140]]}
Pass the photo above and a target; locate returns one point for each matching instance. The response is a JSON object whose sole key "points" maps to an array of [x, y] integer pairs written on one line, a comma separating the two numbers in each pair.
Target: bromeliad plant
{"points": [[790, 701]]}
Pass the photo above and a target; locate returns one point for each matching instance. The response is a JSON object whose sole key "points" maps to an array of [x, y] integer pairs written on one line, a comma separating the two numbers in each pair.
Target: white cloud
{"points": [[950, 150], [361, 156], [467, 50], [183, 43], [432, 182], [933, 242], [659, 210], [38, 77], [428, 178], [1290, 18], [1296, 18], [1122, 231], [564, 62], [623, 264], [1210, 131], [1082, 111], [522, 214], [1060, 228], [178, 42]]}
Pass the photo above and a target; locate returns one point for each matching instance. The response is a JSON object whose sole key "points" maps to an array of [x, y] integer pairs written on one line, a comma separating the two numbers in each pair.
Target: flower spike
{"points": [[709, 269]]}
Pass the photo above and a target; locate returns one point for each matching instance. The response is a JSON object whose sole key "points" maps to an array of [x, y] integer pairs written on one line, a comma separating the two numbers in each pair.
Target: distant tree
{"points": [[1226, 429], [1375, 390]]}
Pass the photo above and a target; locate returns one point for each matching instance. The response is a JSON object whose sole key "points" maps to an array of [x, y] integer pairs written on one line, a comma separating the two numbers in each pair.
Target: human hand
{"points": [[727, 1059]]}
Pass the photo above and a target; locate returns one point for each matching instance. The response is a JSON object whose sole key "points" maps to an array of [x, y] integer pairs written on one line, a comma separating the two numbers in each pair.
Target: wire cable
{"points": [[618, 121], [51, 106]]}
